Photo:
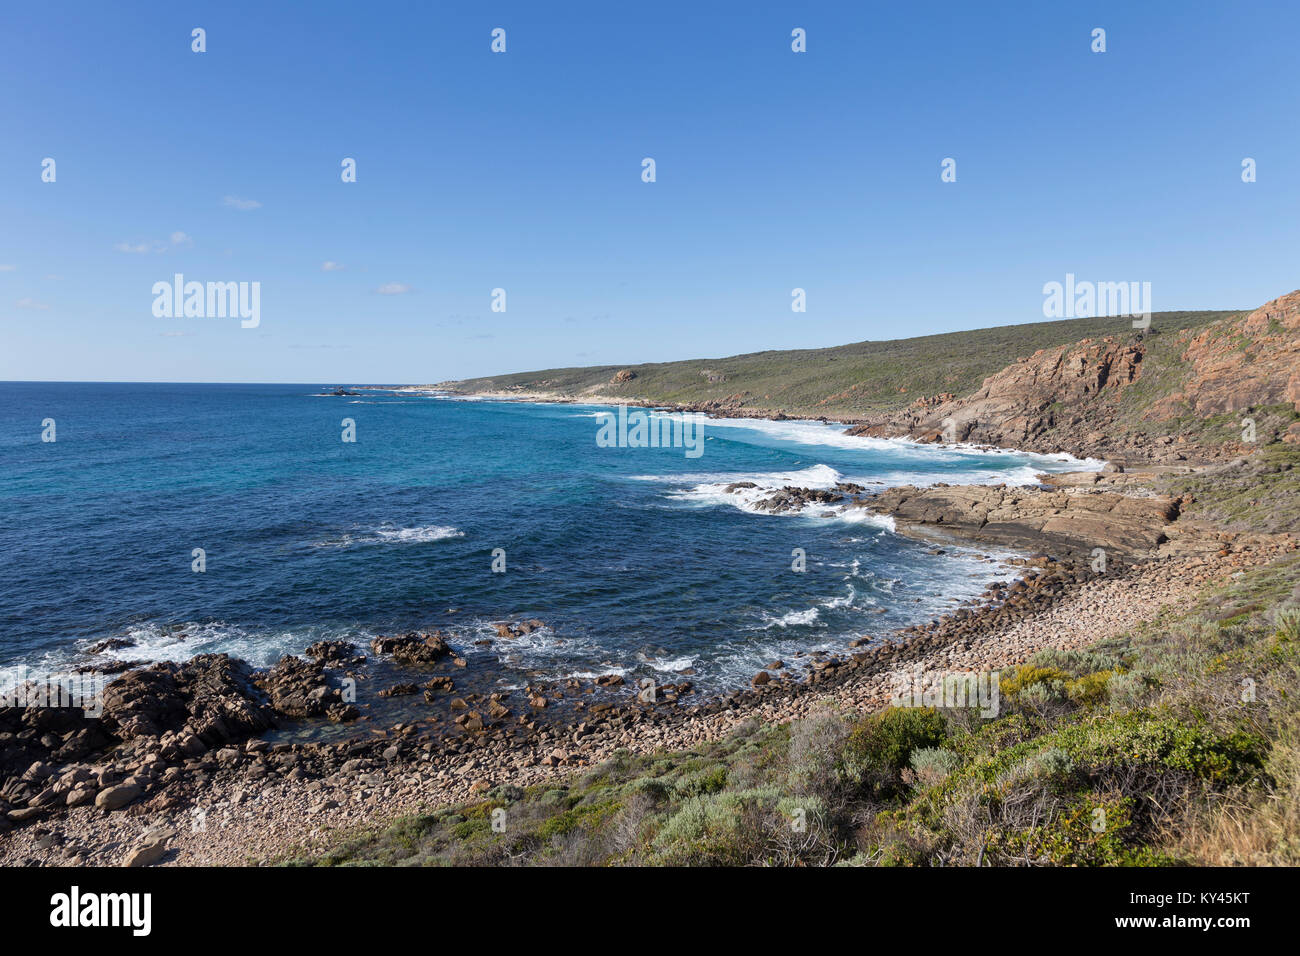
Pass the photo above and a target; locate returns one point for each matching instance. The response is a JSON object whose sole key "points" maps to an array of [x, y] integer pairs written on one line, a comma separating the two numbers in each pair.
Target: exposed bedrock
{"points": [[1072, 520]]}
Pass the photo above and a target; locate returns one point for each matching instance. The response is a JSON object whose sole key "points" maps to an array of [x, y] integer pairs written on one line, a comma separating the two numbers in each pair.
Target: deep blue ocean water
{"points": [[635, 558]]}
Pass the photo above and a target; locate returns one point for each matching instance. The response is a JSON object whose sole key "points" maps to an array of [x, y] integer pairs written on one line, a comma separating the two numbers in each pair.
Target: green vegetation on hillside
{"points": [[1260, 493], [844, 382]]}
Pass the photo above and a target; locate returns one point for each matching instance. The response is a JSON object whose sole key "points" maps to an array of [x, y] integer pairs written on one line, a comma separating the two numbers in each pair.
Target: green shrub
{"points": [[1127, 691], [880, 745], [699, 782], [1026, 676], [1163, 740], [555, 797], [652, 787], [1050, 771], [718, 829], [1090, 689], [1043, 693], [1287, 622], [588, 816], [811, 807], [1054, 762], [1095, 831]]}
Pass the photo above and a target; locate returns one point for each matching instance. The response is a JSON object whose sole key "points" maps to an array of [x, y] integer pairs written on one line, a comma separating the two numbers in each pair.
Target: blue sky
{"points": [[522, 171]]}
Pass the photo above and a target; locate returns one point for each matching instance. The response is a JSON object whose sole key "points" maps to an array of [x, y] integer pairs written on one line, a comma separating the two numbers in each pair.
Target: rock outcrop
{"points": [[300, 688], [1021, 404], [212, 696], [1069, 521], [1071, 398], [414, 649], [1248, 363], [334, 653]]}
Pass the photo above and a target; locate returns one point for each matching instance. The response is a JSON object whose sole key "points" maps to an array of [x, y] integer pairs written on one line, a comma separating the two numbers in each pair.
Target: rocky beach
{"points": [[183, 767]]}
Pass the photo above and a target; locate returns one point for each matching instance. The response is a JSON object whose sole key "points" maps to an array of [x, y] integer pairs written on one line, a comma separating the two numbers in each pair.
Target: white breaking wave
{"points": [[1025, 474], [709, 490], [799, 432], [388, 534], [674, 665], [260, 647], [845, 601], [814, 476], [904, 462], [794, 618], [433, 532], [836, 435], [151, 643], [1021, 470]]}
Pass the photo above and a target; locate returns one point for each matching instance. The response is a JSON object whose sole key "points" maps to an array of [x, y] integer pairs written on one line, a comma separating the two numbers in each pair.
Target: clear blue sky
{"points": [[523, 171]]}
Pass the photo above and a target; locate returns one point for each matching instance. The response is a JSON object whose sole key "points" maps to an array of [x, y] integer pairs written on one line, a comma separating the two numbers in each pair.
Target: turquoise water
{"points": [[635, 558]]}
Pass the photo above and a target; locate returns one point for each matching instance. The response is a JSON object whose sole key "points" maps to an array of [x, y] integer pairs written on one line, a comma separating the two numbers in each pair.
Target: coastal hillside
{"points": [[845, 383], [1195, 386], [1217, 391]]}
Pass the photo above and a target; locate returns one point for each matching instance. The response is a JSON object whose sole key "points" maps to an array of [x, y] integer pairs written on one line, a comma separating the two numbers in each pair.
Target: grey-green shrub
{"points": [[932, 765]]}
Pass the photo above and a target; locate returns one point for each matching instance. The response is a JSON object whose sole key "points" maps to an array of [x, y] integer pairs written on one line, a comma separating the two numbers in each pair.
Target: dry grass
{"points": [[1249, 828]]}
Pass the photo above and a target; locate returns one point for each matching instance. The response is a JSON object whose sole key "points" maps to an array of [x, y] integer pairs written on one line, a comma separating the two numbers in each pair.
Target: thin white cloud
{"points": [[393, 288], [28, 303], [176, 240], [235, 202], [8, 268], [331, 266], [136, 248]]}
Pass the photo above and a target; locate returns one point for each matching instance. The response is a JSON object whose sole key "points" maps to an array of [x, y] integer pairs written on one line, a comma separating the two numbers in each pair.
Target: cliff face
{"points": [[1075, 397], [1025, 400], [1233, 366]]}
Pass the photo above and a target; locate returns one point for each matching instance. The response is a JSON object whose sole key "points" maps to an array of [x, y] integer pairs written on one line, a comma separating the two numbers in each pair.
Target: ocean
{"points": [[637, 559]]}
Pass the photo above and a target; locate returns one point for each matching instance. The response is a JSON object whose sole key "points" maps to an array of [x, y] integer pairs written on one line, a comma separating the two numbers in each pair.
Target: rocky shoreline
{"points": [[183, 765]]}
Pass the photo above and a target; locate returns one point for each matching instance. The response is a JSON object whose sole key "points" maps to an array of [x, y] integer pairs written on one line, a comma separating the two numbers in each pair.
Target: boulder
{"points": [[146, 854], [114, 798]]}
